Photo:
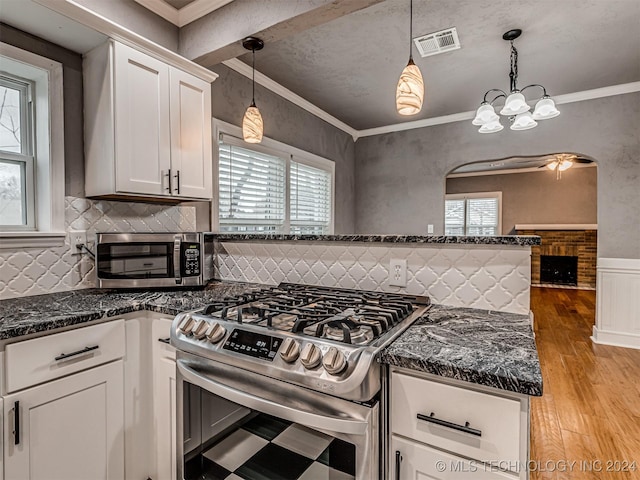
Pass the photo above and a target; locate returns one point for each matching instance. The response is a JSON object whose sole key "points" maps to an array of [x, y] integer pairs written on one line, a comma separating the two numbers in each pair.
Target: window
{"points": [[31, 150], [473, 214], [272, 188], [16, 154]]}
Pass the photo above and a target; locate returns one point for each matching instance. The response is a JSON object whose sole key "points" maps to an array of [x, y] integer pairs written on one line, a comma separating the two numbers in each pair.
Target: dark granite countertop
{"points": [[39, 313], [489, 348], [517, 240]]}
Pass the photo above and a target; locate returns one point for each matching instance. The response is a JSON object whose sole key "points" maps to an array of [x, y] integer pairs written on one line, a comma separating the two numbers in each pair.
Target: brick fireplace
{"points": [[564, 243]]}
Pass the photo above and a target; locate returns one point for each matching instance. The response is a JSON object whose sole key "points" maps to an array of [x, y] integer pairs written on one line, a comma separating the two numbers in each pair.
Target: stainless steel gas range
{"points": [[284, 383]]}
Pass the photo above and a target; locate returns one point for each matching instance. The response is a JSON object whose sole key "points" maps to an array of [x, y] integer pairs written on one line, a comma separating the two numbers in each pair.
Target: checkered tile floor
{"points": [[268, 448]]}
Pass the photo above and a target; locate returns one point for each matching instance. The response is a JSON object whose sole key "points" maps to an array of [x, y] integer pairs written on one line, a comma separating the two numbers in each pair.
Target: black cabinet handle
{"points": [[168, 175], [462, 428], [178, 181], [165, 340], [16, 423], [398, 462], [64, 356]]}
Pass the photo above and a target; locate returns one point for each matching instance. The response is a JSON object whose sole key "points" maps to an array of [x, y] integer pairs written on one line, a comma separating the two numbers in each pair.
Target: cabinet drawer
{"points": [[160, 332], [420, 461], [45, 358], [496, 418]]}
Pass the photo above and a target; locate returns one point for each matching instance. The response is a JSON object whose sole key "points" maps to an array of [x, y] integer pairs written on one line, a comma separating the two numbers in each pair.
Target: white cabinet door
{"points": [[142, 123], [190, 135], [410, 460], [164, 400], [71, 428]]}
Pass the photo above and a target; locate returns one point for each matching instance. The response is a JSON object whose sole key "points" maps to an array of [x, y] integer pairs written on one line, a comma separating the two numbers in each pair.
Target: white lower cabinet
{"points": [[447, 429], [69, 428], [415, 461], [164, 401]]}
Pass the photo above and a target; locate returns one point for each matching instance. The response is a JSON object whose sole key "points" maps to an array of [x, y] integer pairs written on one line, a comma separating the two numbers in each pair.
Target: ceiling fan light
{"points": [[515, 105], [552, 165], [410, 90], [564, 164], [545, 109], [523, 121], [485, 114], [252, 126], [491, 127]]}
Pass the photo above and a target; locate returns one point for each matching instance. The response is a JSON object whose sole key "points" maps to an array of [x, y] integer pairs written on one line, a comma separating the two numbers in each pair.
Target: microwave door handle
{"points": [[176, 260]]}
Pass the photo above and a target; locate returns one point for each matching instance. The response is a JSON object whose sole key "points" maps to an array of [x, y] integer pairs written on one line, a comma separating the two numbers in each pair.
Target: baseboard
{"points": [[618, 302], [615, 339]]}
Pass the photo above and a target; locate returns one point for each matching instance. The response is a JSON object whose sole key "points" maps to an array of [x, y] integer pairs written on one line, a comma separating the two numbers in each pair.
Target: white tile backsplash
{"points": [[478, 276], [35, 271]]}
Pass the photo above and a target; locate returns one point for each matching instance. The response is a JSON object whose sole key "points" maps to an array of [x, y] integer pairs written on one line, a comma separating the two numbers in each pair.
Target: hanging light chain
{"points": [[410, 30], [513, 74], [253, 78]]}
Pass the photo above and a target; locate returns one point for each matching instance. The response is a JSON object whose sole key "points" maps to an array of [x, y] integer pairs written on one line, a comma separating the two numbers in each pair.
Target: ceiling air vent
{"points": [[438, 42]]}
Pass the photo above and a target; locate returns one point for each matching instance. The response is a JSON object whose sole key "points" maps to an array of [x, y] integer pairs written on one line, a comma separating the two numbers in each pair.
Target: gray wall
{"points": [[290, 124], [401, 176], [537, 197], [136, 18], [72, 91]]}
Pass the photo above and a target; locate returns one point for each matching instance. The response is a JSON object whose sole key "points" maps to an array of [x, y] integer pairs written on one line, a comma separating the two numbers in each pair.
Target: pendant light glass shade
{"points": [[545, 109], [491, 127], [410, 91], [252, 126], [523, 121], [515, 105], [485, 114]]}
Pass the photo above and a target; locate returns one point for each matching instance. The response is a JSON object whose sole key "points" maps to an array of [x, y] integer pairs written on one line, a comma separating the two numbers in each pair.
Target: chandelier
{"points": [[515, 105]]}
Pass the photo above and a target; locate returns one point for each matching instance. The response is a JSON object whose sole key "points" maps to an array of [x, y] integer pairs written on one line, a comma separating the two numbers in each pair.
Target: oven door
{"points": [[234, 422]]}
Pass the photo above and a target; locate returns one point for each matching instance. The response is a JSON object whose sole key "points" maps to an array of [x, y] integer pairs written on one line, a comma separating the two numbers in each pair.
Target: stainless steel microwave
{"points": [[142, 260]]}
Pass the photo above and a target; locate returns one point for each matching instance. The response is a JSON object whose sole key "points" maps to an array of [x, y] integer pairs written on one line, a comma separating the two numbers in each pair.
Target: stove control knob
{"points": [[186, 325], [200, 329], [290, 350], [334, 361], [310, 356], [215, 333]]}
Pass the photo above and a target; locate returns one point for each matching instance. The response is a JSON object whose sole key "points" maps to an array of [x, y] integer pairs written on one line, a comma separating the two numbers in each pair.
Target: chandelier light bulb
{"points": [[252, 126], [491, 127], [545, 109], [410, 90], [485, 114], [515, 105], [523, 121]]}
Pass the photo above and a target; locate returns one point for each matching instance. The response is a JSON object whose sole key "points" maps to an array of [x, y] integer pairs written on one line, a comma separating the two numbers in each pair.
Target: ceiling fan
{"points": [[563, 161]]}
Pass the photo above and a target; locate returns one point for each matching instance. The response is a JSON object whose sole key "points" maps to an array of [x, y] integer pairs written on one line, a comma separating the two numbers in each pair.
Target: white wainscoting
{"points": [[618, 302], [488, 277]]}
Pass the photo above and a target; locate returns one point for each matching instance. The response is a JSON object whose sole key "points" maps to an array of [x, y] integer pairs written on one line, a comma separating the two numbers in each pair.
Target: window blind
{"points": [[454, 217], [310, 199], [472, 216], [252, 190]]}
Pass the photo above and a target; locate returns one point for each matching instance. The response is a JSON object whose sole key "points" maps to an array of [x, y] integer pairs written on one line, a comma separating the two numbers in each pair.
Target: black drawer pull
{"points": [[462, 428], [16, 423], [64, 356], [165, 340], [398, 462]]}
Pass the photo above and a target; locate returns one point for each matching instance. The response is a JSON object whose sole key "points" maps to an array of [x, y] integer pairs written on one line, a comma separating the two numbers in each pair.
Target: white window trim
{"points": [[47, 75], [464, 196], [271, 147]]}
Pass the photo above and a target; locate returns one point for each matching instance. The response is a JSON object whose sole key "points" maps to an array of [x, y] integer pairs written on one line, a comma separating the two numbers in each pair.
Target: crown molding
{"points": [[261, 79], [185, 15], [91, 19]]}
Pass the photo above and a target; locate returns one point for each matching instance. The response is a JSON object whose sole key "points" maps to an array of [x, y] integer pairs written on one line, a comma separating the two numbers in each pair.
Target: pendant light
{"points": [[410, 90], [252, 126]]}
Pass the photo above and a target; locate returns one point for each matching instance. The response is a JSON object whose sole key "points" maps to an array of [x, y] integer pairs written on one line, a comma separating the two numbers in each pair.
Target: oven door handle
{"points": [[309, 419]]}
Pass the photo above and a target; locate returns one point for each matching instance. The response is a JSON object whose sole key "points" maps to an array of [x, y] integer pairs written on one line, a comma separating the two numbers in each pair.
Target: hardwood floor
{"points": [[590, 410]]}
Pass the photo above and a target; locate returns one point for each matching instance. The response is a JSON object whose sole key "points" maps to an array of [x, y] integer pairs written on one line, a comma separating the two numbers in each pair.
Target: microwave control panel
{"points": [[190, 262]]}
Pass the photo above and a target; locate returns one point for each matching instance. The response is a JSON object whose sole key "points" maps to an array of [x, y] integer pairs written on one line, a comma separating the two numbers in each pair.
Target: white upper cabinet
{"points": [[147, 126]]}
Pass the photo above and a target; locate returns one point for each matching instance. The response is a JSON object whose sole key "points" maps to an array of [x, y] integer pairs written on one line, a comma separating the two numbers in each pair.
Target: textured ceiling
{"points": [[349, 67]]}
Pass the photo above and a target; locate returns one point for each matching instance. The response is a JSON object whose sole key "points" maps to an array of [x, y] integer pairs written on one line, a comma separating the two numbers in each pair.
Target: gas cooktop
{"points": [[319, 337]]}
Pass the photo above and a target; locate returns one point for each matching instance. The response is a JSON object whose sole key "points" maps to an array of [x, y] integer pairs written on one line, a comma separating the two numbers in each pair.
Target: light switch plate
{"points": [[430, 228]]}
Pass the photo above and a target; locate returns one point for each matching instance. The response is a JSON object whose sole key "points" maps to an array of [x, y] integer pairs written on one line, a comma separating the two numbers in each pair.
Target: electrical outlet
{"points": [[430, 228], [398, 272], [77, 237]]}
